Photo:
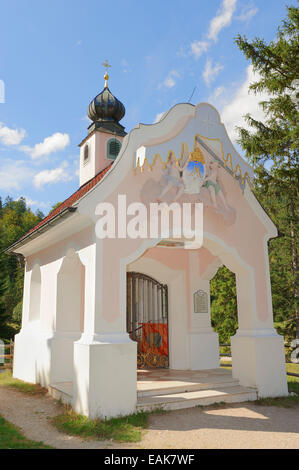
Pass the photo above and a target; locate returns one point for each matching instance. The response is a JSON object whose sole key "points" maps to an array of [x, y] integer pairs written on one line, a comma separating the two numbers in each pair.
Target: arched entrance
{"points": [[147, 320]]}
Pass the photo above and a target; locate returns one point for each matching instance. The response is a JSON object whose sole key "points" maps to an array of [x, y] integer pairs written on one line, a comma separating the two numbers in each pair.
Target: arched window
{"points": [[113, 148], [85, 154]]}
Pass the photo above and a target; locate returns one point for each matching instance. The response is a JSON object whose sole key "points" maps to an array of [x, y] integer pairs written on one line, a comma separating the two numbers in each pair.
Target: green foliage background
{"points": [[15, 220], [272, 148]]}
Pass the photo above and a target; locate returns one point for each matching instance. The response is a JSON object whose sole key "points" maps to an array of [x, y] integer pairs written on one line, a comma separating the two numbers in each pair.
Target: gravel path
{"points": [[241, 426], [31, 414]]}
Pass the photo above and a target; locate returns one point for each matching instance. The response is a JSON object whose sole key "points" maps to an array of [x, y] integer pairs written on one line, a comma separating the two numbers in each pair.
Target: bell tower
{"points": [[105, 134]]}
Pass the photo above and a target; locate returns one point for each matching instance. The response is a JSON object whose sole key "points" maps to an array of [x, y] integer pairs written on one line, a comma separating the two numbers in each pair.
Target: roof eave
{"points": [[56, 219]]}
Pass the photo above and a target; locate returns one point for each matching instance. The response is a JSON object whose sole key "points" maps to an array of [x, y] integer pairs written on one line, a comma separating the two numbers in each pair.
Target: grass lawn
{"points": [[293, 382], [285, 402], [293, 386], [12, 438], [123, 429], [6, 380]]}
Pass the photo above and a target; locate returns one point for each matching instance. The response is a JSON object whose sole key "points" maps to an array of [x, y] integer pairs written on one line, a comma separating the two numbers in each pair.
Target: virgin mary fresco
{"points": [[192, 178]]}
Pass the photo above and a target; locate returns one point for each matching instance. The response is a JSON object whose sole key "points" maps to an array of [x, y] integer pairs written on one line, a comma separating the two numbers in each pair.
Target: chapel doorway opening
{"points": [[147, 320], [224, 310]]}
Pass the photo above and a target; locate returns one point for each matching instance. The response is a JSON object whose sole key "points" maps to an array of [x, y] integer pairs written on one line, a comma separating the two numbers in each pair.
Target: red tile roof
{"points": [[85, 188]]}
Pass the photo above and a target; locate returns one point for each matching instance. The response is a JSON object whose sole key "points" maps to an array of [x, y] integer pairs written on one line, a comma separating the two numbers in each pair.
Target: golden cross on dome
{"points": [[106, 65], [106, 76]]}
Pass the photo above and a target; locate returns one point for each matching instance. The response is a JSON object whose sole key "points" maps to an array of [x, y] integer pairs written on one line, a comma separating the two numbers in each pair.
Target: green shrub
{"points": [[17, 313]]}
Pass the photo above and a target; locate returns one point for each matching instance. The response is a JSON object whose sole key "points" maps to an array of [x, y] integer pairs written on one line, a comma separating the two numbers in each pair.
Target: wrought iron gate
{"points": [[147, 319]]}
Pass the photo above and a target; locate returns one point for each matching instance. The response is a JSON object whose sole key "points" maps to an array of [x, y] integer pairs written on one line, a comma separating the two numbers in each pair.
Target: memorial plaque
{"points": [[200, 299]]}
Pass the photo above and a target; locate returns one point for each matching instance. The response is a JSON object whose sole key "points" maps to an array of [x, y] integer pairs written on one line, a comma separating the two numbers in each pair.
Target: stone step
{"points": [[168, 387], [62, 391], [177, 401]]}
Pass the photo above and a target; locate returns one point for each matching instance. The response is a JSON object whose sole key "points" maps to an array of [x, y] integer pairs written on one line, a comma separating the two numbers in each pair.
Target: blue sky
{"points": [[50, 64]]}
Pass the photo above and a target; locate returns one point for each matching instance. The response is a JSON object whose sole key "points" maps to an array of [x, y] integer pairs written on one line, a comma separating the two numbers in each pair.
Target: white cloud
{"points": [[222, 19], [11, 136], [182, 52], [217, 97], [170, 80], [14, 174], [159, 117], [219, 91], [242, 103], [247, 13], [52, 176], [198, 48], [211, 71], [30, 202], [75, 160], [51, 144], [125, 66], [2, 91]]}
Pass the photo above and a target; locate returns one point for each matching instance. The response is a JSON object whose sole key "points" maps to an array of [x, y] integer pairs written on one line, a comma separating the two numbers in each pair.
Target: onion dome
{"points": [[106, 107], [106, 110]]}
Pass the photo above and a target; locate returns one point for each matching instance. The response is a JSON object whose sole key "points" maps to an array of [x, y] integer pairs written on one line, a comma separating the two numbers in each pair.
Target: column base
{"points": [[258, 361], [105, 378], [61, 345], [44, 356], [26, 349], [204, 350]]}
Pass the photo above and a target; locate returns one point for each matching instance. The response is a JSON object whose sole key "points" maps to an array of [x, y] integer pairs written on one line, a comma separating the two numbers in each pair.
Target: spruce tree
{"points": [[271, 146]]}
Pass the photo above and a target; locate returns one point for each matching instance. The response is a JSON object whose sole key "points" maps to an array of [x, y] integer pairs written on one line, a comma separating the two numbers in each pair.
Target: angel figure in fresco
{"points": [[173, 176], [211, 182]]}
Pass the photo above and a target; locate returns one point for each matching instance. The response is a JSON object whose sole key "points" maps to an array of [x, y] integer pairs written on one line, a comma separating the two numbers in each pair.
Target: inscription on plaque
{"points": [[200, 299]]}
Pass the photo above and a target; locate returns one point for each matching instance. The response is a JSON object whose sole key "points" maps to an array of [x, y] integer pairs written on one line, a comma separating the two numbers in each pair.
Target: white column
{"points": [[105, 359], [204, 343], [26, 342], [257, 350]]}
